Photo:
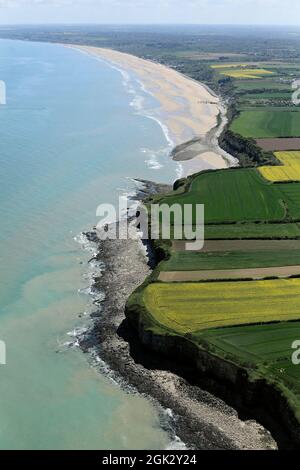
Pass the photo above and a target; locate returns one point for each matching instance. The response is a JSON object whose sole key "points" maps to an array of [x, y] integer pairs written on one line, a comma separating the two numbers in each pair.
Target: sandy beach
{"points": [[188, 109]]}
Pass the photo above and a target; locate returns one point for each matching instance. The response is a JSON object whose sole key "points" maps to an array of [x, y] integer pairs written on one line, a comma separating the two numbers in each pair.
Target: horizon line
{"points": [[153, 24]]}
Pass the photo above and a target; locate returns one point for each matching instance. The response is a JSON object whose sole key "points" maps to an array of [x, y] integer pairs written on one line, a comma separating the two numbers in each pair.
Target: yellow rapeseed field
{"points": [[240, 71], [246, 73], [190, 307], [289, 171]]}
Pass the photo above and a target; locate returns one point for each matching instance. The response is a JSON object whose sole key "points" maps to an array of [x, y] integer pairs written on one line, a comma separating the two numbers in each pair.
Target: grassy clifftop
{"points": [[244, 327]]}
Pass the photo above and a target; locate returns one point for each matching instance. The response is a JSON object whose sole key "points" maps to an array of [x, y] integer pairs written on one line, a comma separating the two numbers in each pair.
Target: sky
{"points": [[277, 12]]}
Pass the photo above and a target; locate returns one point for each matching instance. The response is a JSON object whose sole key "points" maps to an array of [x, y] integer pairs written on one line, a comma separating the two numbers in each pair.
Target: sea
{"points": [[73, 133]]}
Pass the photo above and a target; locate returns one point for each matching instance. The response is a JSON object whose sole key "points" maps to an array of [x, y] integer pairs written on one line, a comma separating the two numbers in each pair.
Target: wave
{"points": [[95, 269], [177, 444], [138, 103], [153, 158], [154, 161], [86, 244], [167, 417], [78, 334], [134, 86]]}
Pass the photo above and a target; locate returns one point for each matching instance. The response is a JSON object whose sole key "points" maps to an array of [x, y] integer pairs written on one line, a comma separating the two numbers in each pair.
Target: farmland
{"points": [[267, 95], [241, 71], [190, 307], [264, 107], [289, 171], [186, 299], [260, 100], [261, 85], [250, 231], [238, 298], [266, 347], [220, 246], [279, 144], [230, 274], [245, 73], [236, 65], [258, 123], [256, 343], [193, 261], [291, 194], [233, 196]]}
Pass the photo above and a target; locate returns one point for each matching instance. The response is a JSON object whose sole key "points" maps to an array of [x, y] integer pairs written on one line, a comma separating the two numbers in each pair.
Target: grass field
{"points": [[289, 171], [219, 246], [252, 323], [190, 307], [229, 66], [258, 123], [244, 231], [291, 194], [265, 347], [194, 261], [276, 95], [262, 84], [233, 196]]}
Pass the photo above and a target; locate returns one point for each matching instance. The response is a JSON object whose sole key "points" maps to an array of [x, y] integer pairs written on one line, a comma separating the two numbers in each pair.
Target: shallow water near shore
{"points": [[71, 133]]}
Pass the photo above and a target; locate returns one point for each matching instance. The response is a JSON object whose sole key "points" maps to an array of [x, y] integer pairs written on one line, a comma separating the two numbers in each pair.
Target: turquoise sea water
{"points": [[70, 134]]}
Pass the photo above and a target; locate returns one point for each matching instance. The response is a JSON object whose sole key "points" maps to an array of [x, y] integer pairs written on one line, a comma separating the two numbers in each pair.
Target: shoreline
{"points": [[195, 121], [201, 420]]}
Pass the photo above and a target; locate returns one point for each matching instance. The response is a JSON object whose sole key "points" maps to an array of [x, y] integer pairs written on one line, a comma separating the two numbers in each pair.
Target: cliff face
{"points": [[255, 398]]}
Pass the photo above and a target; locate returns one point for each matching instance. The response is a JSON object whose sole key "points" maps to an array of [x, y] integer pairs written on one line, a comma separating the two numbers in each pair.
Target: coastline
{"points": [[200, 420], [194, 121]]}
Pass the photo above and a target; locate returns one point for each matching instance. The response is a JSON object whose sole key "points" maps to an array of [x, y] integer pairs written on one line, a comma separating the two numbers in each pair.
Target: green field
{"points": [[195, 261], [291, 194], [260, 85], [252, 323], [244, 231], [233, 196], [258, 123], [276, 95], [267, 348], [255, 343]]}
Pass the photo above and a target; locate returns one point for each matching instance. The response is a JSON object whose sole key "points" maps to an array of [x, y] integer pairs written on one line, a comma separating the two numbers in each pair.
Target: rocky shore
{"points": [[201, 420]]}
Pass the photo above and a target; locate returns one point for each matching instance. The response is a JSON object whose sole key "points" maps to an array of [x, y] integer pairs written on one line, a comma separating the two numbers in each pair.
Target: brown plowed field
{"points": [[279, 144], [226, 274]]}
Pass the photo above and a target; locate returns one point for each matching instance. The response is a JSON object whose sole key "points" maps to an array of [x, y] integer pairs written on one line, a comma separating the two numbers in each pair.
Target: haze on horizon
{"points": [[261, 12]]}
